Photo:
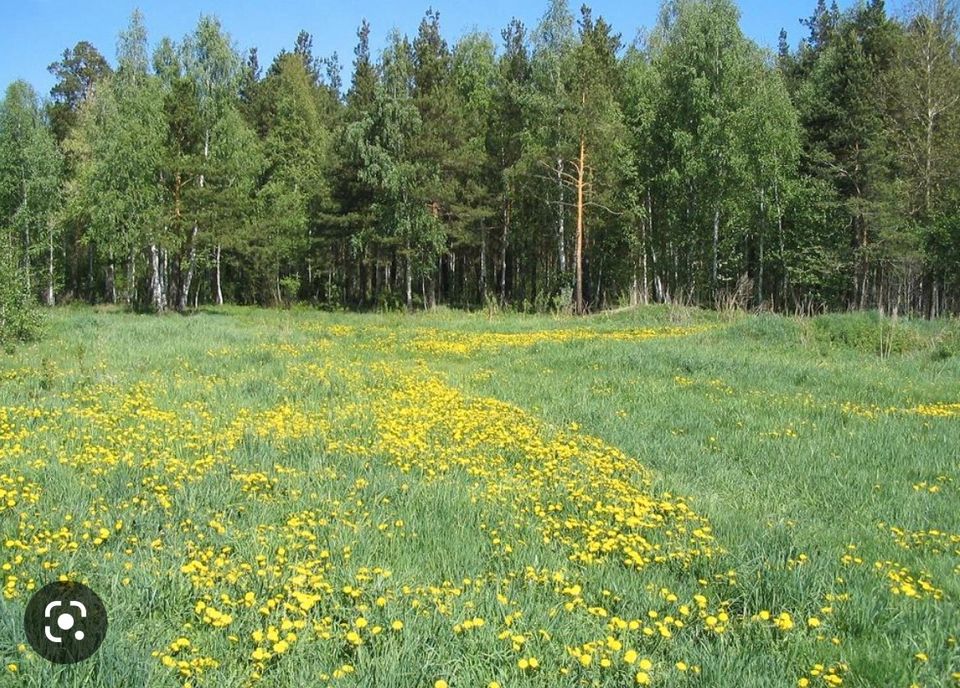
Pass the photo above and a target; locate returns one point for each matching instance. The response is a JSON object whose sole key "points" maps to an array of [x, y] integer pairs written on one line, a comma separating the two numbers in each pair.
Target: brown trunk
{"points": [[578, 258]]}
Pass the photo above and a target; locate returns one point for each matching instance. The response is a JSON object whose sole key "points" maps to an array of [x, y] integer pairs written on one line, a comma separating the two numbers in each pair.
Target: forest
{"points": [[554, 167]]}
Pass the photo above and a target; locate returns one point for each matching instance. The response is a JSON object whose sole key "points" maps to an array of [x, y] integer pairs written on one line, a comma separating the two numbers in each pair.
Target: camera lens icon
{"points": [[65, 622]]}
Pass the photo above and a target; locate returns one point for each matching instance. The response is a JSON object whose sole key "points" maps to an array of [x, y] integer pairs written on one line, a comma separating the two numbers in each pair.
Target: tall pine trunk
{"points": [[578, 257]]}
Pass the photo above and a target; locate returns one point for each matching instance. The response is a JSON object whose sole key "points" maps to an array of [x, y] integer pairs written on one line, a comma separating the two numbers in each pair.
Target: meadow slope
{"points": [[657, 497]]}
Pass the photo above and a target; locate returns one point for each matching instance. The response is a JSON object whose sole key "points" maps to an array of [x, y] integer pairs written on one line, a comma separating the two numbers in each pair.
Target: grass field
{"points": [[657, 497]]}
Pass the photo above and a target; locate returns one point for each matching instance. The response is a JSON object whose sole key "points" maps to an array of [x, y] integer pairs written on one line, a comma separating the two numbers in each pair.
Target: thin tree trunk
{"points": [[578, 259], [216, 263], [110, 282], [503, 252], [716, 249], [645, 292], [763, 208], [657, 280], [483, 264], [183, 299], [164, 277], [409, 280], [561, 240], [131, 293], [158, 298], [783, 259], [90, 276], [26, 258], [49, 298]]}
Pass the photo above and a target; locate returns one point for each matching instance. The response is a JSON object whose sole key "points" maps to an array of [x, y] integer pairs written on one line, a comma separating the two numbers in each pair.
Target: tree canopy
{"points": [[554, 166]]}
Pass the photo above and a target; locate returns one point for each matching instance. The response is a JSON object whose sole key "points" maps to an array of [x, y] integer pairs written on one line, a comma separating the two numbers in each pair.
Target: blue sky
{"points": [[37, 31]]}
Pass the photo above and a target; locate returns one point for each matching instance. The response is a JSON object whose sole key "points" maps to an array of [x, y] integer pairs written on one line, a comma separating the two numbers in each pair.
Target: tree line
{"points": [[555, 167]]}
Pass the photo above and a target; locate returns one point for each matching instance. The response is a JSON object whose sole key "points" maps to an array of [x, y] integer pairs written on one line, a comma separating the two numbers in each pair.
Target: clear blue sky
{"points": [[37, 31]]}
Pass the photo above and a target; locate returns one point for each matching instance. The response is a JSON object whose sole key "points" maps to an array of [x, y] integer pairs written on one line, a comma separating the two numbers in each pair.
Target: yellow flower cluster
{"points": [[904, 582], [831, 675], [943, 410], [458, 343], [931, 541], [582, 493], [326, 472]]}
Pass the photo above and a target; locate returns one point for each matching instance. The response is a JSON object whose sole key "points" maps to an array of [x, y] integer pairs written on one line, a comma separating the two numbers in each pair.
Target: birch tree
{"points": [[118, 144], [30, 178], [213, 67]]}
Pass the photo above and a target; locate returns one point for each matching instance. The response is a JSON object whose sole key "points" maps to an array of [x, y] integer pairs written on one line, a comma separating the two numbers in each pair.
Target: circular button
{"points": [[65, 622]]}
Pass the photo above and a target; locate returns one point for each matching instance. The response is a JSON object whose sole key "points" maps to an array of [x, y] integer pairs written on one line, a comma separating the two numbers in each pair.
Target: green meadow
{"points": [[660, 496]]}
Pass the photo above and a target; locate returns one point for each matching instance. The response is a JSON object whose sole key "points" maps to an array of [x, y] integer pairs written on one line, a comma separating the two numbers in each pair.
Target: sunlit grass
{"points": [[292, 498]]}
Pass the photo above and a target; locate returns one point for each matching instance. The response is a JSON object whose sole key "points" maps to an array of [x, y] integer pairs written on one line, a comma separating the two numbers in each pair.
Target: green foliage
{"points": [[118, 145], [19, 318], [689, 165], [80, 68], [869, 333], [31, 170], [386, 140]]}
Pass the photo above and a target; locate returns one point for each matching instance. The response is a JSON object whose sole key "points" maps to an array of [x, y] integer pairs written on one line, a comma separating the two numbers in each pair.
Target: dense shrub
{"points": [[870, 333], [19, 317]]}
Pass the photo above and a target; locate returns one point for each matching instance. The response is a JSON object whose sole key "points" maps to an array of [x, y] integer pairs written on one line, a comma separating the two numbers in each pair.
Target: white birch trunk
{"points": [[49, 297], [219, 290]]}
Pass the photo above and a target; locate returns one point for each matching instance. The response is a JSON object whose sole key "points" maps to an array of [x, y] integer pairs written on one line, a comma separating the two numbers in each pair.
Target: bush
{"points": [[947, 344], [869, 333], [767, 327], [19, 317]]}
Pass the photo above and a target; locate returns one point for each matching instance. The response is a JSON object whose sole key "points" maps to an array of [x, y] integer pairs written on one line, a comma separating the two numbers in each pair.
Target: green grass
{"points": [[222, 437]]}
